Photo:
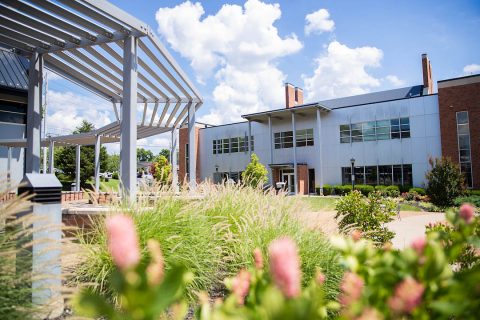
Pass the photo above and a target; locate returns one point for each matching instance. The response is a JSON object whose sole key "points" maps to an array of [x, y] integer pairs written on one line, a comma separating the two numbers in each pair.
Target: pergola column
{"points": [[249, 139], [51, 157], [295, 176], [128, 122], [97, 163], [77, 168], [9, 168], [319, 175], [192, 163], [34, 119], [173, 161], [271, 141]]}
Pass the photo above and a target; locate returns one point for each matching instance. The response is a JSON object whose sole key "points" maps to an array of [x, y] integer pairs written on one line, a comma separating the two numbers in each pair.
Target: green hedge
{"points": [[393, 191], [342, 190], [327, 190], [473, 192], [420, 191], [364, 189], [475, 200]]}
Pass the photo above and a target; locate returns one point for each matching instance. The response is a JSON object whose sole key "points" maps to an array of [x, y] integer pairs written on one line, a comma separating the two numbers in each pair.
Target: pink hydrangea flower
{"points": [[257, 256], [351, 288], [285, 266], [467, 213], [122, 241], [407, 296], [240, 285], [419, 245]]}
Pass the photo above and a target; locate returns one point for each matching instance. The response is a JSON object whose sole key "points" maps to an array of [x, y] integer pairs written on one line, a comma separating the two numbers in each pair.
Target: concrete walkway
{"points": [[411, 227]]}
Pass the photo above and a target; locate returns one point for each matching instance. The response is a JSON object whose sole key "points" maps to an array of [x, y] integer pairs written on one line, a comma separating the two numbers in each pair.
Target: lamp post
{"points": [[352, 161]]}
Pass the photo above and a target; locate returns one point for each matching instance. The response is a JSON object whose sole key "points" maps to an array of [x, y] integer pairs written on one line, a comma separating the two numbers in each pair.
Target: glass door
{"points": [[289, 178]]}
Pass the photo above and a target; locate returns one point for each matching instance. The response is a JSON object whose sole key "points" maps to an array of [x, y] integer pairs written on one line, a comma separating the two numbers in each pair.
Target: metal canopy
{"points": [[285, 114], [83, 41]]}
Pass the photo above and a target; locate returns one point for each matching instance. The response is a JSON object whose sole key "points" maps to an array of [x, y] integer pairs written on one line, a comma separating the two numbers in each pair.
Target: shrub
{"points": [[404, 188], [419, 191], [255, 174], [475, 200], [115, 175], [445, 182], [161, 169], [364, 189], [393, 191], [473, 192], [382, 190], [327, 189], [367, 214], [342, 190]]}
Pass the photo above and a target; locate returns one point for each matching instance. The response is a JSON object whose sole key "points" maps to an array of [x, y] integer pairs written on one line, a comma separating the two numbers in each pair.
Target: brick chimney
{"points": [[427, 75], [293, 96]]}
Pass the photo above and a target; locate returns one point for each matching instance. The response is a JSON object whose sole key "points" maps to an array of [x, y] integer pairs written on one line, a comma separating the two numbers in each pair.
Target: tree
{"points": [[144, 155], [113, 163], [255, 174], [65, 158], [161, 170], [445, 181], [165, 153]]}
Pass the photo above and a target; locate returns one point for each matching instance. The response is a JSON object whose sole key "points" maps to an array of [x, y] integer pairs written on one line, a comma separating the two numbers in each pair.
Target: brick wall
{"points": [[183, 140], [453, 96], [68, 196], [302, 176]]}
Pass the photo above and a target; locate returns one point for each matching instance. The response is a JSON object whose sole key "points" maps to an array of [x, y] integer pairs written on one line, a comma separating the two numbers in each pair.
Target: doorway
{"points": [[311, 181], [289, 178]]}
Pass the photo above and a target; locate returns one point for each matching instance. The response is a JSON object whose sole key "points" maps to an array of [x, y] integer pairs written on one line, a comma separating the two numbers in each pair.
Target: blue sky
{"points": [[242, 52]]}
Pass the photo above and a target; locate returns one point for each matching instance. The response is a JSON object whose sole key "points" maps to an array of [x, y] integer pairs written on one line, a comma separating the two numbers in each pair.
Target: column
{"points": [[97, 163], [271, 142], [44, 160], [77, 168], [249, 138], [51, 157], [319, 170], [9, 168], [173, 156], [128, 123], [34, 119], [295, 175], [192, 155]]}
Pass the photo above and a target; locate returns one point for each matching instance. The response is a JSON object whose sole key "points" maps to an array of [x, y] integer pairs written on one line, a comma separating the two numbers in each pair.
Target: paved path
{"points": [[411, 227]]}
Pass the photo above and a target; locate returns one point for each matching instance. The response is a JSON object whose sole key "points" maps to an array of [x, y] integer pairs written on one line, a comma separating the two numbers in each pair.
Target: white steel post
{"points": [[173, 157], [97, 163], [295, 177], [128, 124], [271, 141], [9, 168], [51, 157], [34, 119], [77, 168], [191, 147], [320, 153], [249, 138]]}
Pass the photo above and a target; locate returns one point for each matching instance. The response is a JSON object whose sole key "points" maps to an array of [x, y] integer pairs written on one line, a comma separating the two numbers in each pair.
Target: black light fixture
{"points": [[352, 161]]}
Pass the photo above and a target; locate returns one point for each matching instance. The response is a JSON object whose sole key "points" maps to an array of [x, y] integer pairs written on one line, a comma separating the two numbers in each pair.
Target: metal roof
{"points": [[13, 71], [82, 41], [301, 110]]}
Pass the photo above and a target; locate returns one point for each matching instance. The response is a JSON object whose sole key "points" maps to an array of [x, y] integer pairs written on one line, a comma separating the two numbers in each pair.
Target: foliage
{"points": [[367, 214], [342, 190], [420, 191], [213, 237], [475, 200], [393, 191], [165, 153], [414, 196], [113, 163], [473, 192], [161, 170], [445, 182], [115, 175], [327, 190], [255, 173], [65, 158], [144, 155], [364, 189]]}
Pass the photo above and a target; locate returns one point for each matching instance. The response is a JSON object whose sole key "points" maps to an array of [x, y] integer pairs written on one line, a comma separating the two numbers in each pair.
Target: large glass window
{"points": [[371, 175], [13, 113], [345, 133], [346, 175], [231, 145], [304, 137], [464, 149], [375, 130], [384, 175], [234, 144]]}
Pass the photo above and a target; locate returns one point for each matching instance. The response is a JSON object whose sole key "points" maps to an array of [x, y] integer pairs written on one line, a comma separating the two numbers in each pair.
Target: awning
{"points": [[284, 113]]}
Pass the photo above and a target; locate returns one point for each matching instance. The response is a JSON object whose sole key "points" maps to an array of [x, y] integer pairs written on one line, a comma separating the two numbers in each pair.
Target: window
{"points": [[217, 146], [371, 175], [375, 130], [234, 144], [226, 145], [383, 175], [13, 113], [464, 149], [397, 175], [407, 175], [346, 175], [304, 137], [231, 145]]}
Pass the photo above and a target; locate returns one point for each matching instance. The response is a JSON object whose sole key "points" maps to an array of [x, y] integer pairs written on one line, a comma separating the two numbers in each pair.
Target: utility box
{"points": [[46, 208]]}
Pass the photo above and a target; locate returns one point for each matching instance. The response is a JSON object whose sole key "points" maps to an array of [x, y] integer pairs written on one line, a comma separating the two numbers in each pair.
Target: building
{"points": [[390, 136]]}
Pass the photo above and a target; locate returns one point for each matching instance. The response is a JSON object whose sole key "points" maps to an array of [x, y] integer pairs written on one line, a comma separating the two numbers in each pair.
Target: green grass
{"points": [[110, 186], [215, 236], [320, 203], [409, 207]]}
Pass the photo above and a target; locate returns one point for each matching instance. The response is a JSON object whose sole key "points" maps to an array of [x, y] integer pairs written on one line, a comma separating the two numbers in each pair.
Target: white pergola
{"points": [[114, 55]]}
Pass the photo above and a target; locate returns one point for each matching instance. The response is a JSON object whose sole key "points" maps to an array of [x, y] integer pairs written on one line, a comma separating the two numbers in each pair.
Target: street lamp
{"points": [[352, 161]]}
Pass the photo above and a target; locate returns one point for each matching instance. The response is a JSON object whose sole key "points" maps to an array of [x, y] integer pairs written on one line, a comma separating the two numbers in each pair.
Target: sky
{"points": [[239, 54]]}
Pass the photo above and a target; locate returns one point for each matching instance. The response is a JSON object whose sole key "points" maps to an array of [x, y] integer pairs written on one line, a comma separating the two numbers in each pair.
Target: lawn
{"points": [[110, 186], [409, 207], [320, 203]]}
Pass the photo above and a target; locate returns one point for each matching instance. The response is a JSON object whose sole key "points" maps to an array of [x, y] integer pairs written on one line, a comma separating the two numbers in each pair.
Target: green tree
{"points": [[161, 169], [255, 174], [113, 163], [65, 158], [165, 153], [144, 155], [445, 182]]}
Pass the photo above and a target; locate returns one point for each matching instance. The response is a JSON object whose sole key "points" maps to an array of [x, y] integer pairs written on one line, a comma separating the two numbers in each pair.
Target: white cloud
{"points": [[238, 46], [319, 22], [342, 71], [394, 80], [471, 69]]}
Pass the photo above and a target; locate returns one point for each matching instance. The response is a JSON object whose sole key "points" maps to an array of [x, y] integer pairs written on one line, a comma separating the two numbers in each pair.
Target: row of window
{"points": [[13, 113], [375, 130], [232, 145], [219, 177], [464, 150], [397, 174], [304, 137]]}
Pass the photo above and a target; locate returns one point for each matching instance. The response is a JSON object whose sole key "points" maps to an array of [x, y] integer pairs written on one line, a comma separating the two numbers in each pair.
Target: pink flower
{"points": [[240, 285], [285, 266], [356, 235], [320, 277], [419, 245], [407, 296], [156, 268], [122, 241], [351, 288], [257, 255], [467, 212]]}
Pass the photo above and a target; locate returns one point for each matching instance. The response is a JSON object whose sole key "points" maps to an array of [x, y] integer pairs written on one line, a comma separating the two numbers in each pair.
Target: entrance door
{"points": [[288, 177]]}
